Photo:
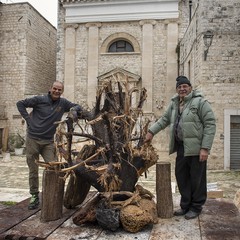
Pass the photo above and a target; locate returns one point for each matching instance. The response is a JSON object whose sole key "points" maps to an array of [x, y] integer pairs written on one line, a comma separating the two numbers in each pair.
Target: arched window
{"points": [[121, 46], [120, 43]]}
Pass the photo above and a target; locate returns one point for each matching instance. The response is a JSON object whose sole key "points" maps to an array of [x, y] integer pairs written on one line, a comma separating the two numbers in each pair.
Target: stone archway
{"points": [[122, 75]]}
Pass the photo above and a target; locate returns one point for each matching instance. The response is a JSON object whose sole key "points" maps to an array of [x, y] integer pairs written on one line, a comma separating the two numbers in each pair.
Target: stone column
{"points": [[147, 62], [172, 65], [69, 68], [93, 36]]}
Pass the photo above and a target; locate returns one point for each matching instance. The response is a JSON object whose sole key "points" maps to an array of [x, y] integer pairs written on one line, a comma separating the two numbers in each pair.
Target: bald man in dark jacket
{"points": [[46, 110]]}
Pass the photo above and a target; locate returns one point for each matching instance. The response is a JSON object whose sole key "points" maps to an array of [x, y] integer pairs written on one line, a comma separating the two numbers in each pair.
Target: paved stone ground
{"points": [[14, 187], [14, 179]]}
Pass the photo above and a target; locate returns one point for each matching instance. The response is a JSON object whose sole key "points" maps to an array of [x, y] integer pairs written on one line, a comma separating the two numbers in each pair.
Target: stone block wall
{"points": [[27, 58], [217, 75]]}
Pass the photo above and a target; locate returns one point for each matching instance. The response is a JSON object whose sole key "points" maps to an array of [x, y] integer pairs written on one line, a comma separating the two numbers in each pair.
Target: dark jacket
{"points": [[45, 112], [198, 123]]}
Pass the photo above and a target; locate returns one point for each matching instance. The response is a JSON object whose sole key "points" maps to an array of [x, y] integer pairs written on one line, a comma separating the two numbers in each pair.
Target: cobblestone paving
{"points": [[14, 177], [14, 172]]}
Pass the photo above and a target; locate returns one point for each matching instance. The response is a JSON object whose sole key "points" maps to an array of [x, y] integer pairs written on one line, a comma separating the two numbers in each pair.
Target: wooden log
{"points": [[52, 196], [76, 191], [164, 190]]}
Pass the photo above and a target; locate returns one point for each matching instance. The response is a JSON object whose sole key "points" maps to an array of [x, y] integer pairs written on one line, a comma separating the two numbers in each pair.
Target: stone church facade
{"points": [[27, 62], [89, 35], [199, 39], [84, 38]]}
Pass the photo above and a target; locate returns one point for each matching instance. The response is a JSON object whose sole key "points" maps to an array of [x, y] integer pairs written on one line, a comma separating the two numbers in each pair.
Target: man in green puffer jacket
{"points": [[192, 130]]}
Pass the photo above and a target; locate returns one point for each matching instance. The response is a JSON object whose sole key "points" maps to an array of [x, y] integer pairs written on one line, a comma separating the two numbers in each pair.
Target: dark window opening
{"points": [[121, 46]]}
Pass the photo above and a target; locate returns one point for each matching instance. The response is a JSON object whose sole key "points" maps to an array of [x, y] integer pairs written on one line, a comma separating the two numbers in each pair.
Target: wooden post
{"points": [[5, 139], [52, 196], [164, 190]]}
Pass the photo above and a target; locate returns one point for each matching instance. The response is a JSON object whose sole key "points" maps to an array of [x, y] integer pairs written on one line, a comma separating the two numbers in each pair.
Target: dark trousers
{"points": [[191, 180]]}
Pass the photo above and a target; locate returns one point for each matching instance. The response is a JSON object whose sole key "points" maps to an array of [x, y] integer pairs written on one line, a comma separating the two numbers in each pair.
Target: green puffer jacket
{"points": [[198, 123]]}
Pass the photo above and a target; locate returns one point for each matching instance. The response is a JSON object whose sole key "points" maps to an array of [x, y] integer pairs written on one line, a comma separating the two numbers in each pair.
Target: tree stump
{"points": [[52, 196], [164, 190], [115, 154]]}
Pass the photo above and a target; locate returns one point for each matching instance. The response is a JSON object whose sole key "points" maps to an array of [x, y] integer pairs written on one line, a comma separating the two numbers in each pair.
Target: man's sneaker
{"points": [[34, 202]]}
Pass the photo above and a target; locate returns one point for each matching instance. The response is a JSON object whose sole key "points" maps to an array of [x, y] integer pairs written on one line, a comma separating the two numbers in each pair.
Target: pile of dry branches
{"points": [[114, 155]]}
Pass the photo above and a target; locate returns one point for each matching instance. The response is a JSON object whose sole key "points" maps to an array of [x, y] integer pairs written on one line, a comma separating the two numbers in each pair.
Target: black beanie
{"points": [[182, 80]]}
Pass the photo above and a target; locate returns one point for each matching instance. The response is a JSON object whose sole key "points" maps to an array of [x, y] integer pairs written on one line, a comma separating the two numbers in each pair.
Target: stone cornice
{"points": [[132, 77], [84, 11]]}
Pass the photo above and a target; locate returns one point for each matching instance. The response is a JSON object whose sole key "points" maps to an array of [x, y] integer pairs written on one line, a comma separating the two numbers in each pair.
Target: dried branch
{"points": [[83, 162]]}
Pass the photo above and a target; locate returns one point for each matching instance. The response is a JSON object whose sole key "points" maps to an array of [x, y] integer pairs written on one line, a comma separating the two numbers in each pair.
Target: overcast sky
{"points": [[47, 8]]}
